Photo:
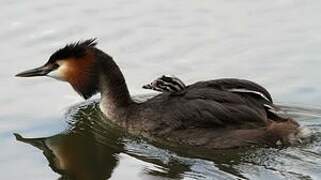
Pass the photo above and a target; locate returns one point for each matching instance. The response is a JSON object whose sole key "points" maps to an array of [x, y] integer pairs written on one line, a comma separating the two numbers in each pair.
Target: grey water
{"points": [[59, 136]]}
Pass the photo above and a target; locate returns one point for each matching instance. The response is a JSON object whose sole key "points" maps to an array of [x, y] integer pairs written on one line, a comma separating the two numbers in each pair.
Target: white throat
{"points": [[60, 72], [107, 107]]}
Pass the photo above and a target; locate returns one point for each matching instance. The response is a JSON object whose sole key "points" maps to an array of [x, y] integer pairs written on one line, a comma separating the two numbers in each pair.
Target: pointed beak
{"points": [[147, 86], [40, 71]]}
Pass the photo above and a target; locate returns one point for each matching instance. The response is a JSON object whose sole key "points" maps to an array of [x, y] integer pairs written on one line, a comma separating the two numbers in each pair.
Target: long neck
{"points": [[115, 96]]}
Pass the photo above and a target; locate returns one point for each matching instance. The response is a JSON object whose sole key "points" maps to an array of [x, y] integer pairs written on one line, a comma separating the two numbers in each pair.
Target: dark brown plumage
{"points": [[75, 50], [216, 114]]}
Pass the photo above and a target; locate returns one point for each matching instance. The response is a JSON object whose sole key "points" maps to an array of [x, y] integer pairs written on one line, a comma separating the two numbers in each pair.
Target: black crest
{"points": [[76, 50]]}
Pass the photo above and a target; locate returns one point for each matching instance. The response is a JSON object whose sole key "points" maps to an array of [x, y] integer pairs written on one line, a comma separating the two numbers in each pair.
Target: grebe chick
{"points": [[166, 84], [215, 114]]}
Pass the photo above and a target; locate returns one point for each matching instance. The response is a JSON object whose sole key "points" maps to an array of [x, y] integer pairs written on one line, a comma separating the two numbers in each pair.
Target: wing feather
{"points": [[206, 107]]}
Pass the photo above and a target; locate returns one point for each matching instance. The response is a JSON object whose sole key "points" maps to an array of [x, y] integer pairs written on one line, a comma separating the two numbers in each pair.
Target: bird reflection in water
{"points": [[84, 151], [89, 148]]}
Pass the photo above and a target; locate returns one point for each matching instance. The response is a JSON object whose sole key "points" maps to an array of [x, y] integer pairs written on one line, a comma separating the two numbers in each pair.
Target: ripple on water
{"points": [[270, 42], [86, 126]]}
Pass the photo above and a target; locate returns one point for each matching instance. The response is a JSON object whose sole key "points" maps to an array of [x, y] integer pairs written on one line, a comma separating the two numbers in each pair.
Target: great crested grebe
{"points": [[215, 114], [166, 84]]}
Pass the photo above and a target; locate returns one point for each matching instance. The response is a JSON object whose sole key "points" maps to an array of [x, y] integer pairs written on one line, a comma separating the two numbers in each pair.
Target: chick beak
{"points": [[40, 71], [147, 86]]}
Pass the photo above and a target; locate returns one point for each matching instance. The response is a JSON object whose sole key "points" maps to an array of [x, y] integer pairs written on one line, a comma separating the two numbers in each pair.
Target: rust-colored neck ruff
{"points": [[81, 75]]}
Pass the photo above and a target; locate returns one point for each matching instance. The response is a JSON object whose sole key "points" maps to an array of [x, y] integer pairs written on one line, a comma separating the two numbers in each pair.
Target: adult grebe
{"points": [[216, 114]]}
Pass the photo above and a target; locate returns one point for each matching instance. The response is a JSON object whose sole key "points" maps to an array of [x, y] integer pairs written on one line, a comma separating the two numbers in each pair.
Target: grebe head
{"points": [[75, 63], [166, 84]]}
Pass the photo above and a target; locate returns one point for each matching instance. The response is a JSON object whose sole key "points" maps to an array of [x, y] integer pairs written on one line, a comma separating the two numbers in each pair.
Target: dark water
{"points": [[276, 44], [91, 148]]}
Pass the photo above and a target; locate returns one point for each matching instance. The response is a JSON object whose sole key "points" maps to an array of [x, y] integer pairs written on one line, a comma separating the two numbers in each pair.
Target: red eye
{"points": [[55, 66]]}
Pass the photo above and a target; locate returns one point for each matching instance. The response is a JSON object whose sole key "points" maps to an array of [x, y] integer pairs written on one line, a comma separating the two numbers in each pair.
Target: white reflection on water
{"points": [[276, 43]]}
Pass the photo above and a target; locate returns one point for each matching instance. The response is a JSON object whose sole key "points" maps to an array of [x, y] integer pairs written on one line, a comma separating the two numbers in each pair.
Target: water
{"points": [[275, 43]]}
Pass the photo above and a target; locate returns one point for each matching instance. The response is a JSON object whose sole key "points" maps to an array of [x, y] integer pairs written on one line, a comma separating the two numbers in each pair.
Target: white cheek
{"points": [[57, 74]]}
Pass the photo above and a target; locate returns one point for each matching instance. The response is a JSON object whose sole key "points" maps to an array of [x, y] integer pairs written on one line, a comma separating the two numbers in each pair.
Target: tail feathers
{"points": [[285, 133]]}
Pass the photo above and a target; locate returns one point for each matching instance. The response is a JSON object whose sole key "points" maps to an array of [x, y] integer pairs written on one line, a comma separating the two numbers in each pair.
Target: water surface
{"points": [[275, 43]]}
